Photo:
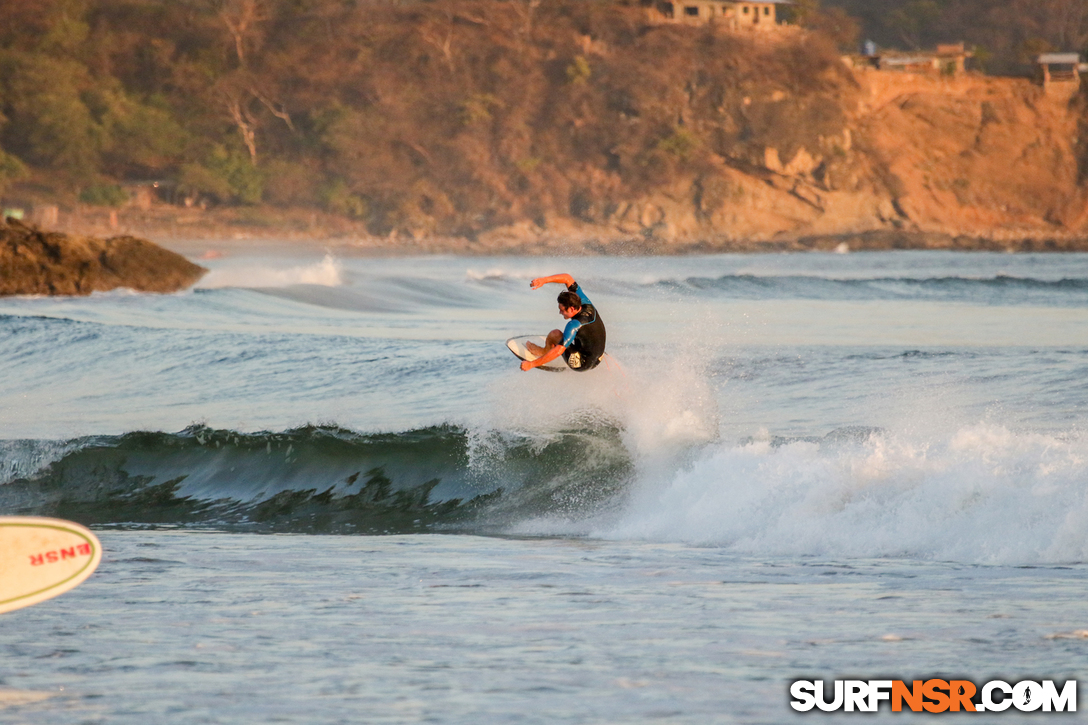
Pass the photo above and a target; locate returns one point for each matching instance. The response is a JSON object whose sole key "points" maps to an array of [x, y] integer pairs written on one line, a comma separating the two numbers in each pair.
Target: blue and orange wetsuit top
{"points": [[584, 335]]}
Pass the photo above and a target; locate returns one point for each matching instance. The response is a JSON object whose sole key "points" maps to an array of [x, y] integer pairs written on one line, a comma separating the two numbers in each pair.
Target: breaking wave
{"points": [[312, 479], [980, 494]]}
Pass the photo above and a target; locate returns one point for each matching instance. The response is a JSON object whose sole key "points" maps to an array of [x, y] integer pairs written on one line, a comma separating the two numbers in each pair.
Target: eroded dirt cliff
{"points": [[977, 156], [916, 161]]}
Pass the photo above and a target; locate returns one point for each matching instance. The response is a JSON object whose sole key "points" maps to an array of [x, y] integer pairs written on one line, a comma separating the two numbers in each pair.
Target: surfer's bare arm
{"points": [[551, 354], [564, 279]]}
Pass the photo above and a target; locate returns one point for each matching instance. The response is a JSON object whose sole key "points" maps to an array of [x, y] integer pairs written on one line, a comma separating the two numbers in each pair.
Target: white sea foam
{"points": [[933, 489], [986, 494], [494, 274], [662, 409], [328, 273]]}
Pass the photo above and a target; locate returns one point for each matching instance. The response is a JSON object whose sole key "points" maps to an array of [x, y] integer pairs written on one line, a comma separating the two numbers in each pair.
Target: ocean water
{"points": [[327, 493]]}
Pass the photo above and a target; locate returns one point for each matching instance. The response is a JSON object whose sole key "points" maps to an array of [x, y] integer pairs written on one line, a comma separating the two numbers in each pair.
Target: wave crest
{"points": [[979, 494], [316, 479], [326, 273]]}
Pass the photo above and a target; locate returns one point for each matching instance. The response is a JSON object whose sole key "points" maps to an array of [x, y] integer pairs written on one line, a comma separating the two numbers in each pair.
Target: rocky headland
{"points": [[35, 262], [475, 127], [871, 160]]}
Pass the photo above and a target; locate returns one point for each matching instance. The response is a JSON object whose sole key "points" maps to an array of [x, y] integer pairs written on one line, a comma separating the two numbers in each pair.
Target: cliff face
{"points": [[903, 155], [33, 262], [977, 156]]}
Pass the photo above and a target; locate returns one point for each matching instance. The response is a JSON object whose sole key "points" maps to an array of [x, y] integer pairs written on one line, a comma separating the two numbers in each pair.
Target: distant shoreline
{"points": [[874, 241], [196, 233]]}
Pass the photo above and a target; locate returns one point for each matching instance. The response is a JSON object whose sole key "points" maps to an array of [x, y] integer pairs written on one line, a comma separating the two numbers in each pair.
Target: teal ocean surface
{"points": [[326, 492]]}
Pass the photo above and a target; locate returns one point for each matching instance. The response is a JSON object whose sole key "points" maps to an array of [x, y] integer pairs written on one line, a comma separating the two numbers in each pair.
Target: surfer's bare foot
{"points": [[534, 348]]}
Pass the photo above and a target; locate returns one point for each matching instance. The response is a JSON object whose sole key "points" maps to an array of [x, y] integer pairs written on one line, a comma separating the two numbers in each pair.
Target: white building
{"points": [[761, 15]]}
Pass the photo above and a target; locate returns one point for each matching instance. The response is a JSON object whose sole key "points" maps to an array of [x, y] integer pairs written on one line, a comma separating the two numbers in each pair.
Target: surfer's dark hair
{"points": [[569, 299]]}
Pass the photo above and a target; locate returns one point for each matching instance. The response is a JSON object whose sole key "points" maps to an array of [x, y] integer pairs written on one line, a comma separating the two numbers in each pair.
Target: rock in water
{"points": [[34, 262]]}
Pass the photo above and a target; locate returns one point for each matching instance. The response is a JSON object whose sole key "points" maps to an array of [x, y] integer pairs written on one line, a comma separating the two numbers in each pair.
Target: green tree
{"points": [[139, 138], [226, 174], [842, 28], [914, 21], [833, 21], [11, 170], [50, 124]]}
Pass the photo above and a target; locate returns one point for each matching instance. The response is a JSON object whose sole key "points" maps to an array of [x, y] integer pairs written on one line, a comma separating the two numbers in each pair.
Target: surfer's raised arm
{"points": [[555, 278]]}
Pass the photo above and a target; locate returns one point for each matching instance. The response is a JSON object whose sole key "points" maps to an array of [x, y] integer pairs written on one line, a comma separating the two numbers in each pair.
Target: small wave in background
{"points": [[253, 274], [997, 290]]}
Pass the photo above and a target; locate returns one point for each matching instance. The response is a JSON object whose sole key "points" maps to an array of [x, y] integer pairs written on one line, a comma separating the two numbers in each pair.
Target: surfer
{"points": [[581, 342]]}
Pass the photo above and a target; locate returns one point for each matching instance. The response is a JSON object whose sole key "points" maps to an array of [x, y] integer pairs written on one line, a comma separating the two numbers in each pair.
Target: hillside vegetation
{"points": [[483, 118], [448, 117]]}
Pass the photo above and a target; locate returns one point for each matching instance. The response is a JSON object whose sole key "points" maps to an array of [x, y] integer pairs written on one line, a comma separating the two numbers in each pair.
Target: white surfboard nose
{"points": [[41, 558]]}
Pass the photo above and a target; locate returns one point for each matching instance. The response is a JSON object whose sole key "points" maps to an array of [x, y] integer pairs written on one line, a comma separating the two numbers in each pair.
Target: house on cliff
{"points": [[1059, 71], [756, 15], [947, 60]]}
